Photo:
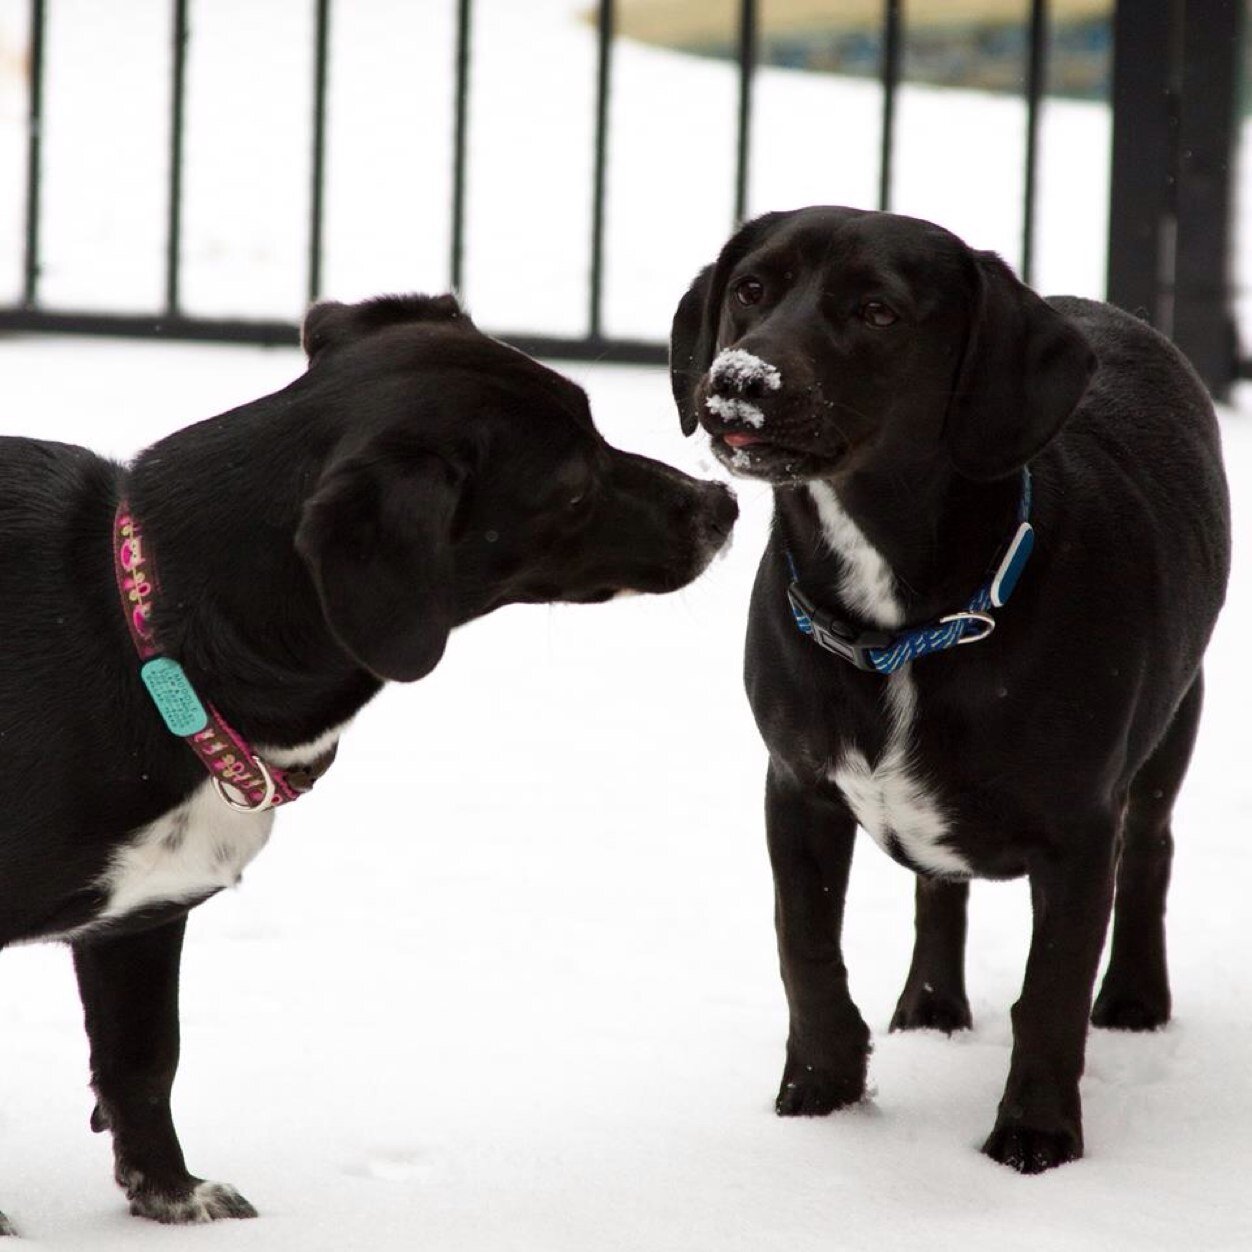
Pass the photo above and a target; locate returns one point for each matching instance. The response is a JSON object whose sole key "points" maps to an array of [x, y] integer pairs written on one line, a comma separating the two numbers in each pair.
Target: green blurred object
{"points": [[977, 44]]}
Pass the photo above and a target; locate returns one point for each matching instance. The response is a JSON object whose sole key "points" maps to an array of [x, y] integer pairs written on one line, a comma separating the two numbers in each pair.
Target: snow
{"points": [[730, 408], [738, 370], [742, 370], [508, 980]]}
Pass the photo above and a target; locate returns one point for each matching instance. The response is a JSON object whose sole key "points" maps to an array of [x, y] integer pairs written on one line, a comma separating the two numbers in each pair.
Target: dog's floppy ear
{"points": [[377, 538], [1024, 370], [692, 339]]}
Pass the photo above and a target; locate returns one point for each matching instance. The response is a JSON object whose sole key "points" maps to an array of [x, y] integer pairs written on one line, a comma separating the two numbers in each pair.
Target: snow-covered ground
{"points": [[372, 1063]]}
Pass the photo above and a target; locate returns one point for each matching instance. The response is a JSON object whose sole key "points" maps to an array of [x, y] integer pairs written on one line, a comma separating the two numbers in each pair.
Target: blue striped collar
{"points": [[883, 653]]}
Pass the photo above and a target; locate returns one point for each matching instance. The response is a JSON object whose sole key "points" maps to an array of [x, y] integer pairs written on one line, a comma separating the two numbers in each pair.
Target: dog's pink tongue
{"points": [[741, 439]]}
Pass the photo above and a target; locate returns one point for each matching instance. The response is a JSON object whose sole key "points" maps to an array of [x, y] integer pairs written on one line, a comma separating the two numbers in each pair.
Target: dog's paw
{"points": [[205, 1202], [1031, 1151], [927, 1009], [810, 1092], [1127, 1011], [6, 1227]]}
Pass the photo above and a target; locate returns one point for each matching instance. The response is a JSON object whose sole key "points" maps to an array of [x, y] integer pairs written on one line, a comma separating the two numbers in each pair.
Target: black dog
{"points": [[291, 555], [893, 385]]}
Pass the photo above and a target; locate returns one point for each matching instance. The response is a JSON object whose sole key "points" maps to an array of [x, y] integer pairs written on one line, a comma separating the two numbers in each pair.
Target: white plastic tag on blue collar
{"points": [[1005, 578]]}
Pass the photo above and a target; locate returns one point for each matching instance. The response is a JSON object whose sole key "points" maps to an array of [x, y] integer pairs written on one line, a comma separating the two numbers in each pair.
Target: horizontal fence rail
{"points": [[1137, 182]]}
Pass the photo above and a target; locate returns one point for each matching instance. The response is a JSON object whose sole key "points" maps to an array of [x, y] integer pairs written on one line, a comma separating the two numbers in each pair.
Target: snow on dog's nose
{"points": [[736, 378]]}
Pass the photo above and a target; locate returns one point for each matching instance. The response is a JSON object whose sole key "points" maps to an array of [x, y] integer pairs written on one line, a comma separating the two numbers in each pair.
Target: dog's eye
{"points": [[878, 315], [574, 501], [749, 291]]}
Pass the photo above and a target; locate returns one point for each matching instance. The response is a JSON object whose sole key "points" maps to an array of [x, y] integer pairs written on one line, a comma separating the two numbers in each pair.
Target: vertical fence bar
{"points": [[747, 68], [34, 154], [318, 176], [460, 126], [1209, 118], [1144, 124], [604, 53], [892, 21], [1036, 81], [174, 220]]}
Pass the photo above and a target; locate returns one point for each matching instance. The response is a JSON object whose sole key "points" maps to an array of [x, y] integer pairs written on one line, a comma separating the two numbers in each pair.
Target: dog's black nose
{"points": [[743, 375], [722, 509]]}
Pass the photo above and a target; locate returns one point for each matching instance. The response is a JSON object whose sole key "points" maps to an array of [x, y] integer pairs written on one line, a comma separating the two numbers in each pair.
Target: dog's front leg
{"points": [[129, 990], [810, 847], [1039, 1124]]}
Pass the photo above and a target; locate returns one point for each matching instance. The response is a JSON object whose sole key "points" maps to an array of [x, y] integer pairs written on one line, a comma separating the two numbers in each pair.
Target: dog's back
{"points": [[1141, 524]]}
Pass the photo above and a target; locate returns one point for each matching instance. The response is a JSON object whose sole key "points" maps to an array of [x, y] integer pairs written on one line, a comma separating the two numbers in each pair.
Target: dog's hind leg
{"points": [[1135, 991], [1039, 1122], [810, 847], [934, 993], [129, 990]]}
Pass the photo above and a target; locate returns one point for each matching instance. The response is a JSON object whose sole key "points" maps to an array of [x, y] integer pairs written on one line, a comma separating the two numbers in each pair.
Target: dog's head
{"points": [[462, 475], [827, 340]]}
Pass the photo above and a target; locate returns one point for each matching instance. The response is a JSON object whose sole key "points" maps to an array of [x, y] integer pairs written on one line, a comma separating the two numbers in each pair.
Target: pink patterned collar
{"points": [[240, 776]]}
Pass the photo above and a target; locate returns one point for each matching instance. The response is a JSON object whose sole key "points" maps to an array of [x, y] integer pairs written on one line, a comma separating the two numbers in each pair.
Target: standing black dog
{"points": [[923, 417], [290, 556]]}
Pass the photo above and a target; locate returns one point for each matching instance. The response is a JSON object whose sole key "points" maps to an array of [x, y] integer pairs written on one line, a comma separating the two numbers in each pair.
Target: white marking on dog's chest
{"points": [[196, 849], [890, 800], [868, 585], [193, 850]]}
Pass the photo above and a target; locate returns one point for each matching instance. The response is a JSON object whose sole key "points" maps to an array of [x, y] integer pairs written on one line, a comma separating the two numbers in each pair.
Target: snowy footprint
{"points": [[394, 1166]]}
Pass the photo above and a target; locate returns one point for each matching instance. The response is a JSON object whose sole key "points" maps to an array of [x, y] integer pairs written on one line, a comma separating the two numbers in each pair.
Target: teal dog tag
{"points": [[174, 696]]}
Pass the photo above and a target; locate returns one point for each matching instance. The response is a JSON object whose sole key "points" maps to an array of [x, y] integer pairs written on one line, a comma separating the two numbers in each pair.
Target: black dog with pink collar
{"points": [[312, 545]]}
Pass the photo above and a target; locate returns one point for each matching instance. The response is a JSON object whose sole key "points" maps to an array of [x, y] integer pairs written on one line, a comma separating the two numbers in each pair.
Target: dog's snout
{"points": [[740, 374], [749, 387], [721, 507]]}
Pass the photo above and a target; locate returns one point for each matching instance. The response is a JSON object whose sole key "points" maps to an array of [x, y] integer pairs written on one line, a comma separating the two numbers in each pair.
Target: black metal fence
{"points": [[1177, 66], [1174, 102]]}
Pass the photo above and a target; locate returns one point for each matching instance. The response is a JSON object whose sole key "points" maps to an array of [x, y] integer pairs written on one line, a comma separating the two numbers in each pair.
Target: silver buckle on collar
{"points": [[985, 620], [265, 802]]}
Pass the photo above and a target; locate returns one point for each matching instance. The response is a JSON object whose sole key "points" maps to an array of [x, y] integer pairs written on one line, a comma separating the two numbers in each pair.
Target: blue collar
{"points": [[883, 653]]}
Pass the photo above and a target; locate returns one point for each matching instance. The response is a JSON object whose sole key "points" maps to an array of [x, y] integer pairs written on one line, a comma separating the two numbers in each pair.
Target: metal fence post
{"points": [[604, 62], [1036, 85], [746, 58], [1175, 105], [174, 205], [889, 74], [317, 175], [1211, 56], [34, 155], [460, 135]]}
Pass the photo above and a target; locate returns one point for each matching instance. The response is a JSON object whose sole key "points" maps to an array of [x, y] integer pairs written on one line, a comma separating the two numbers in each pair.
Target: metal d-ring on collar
{"points": [[244, 781], [882, 653]]}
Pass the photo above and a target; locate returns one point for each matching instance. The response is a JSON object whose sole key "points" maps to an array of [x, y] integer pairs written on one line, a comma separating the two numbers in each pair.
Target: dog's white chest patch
{"points": [[197, 848], [890, 800], [193, 850], [869, 586]]}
